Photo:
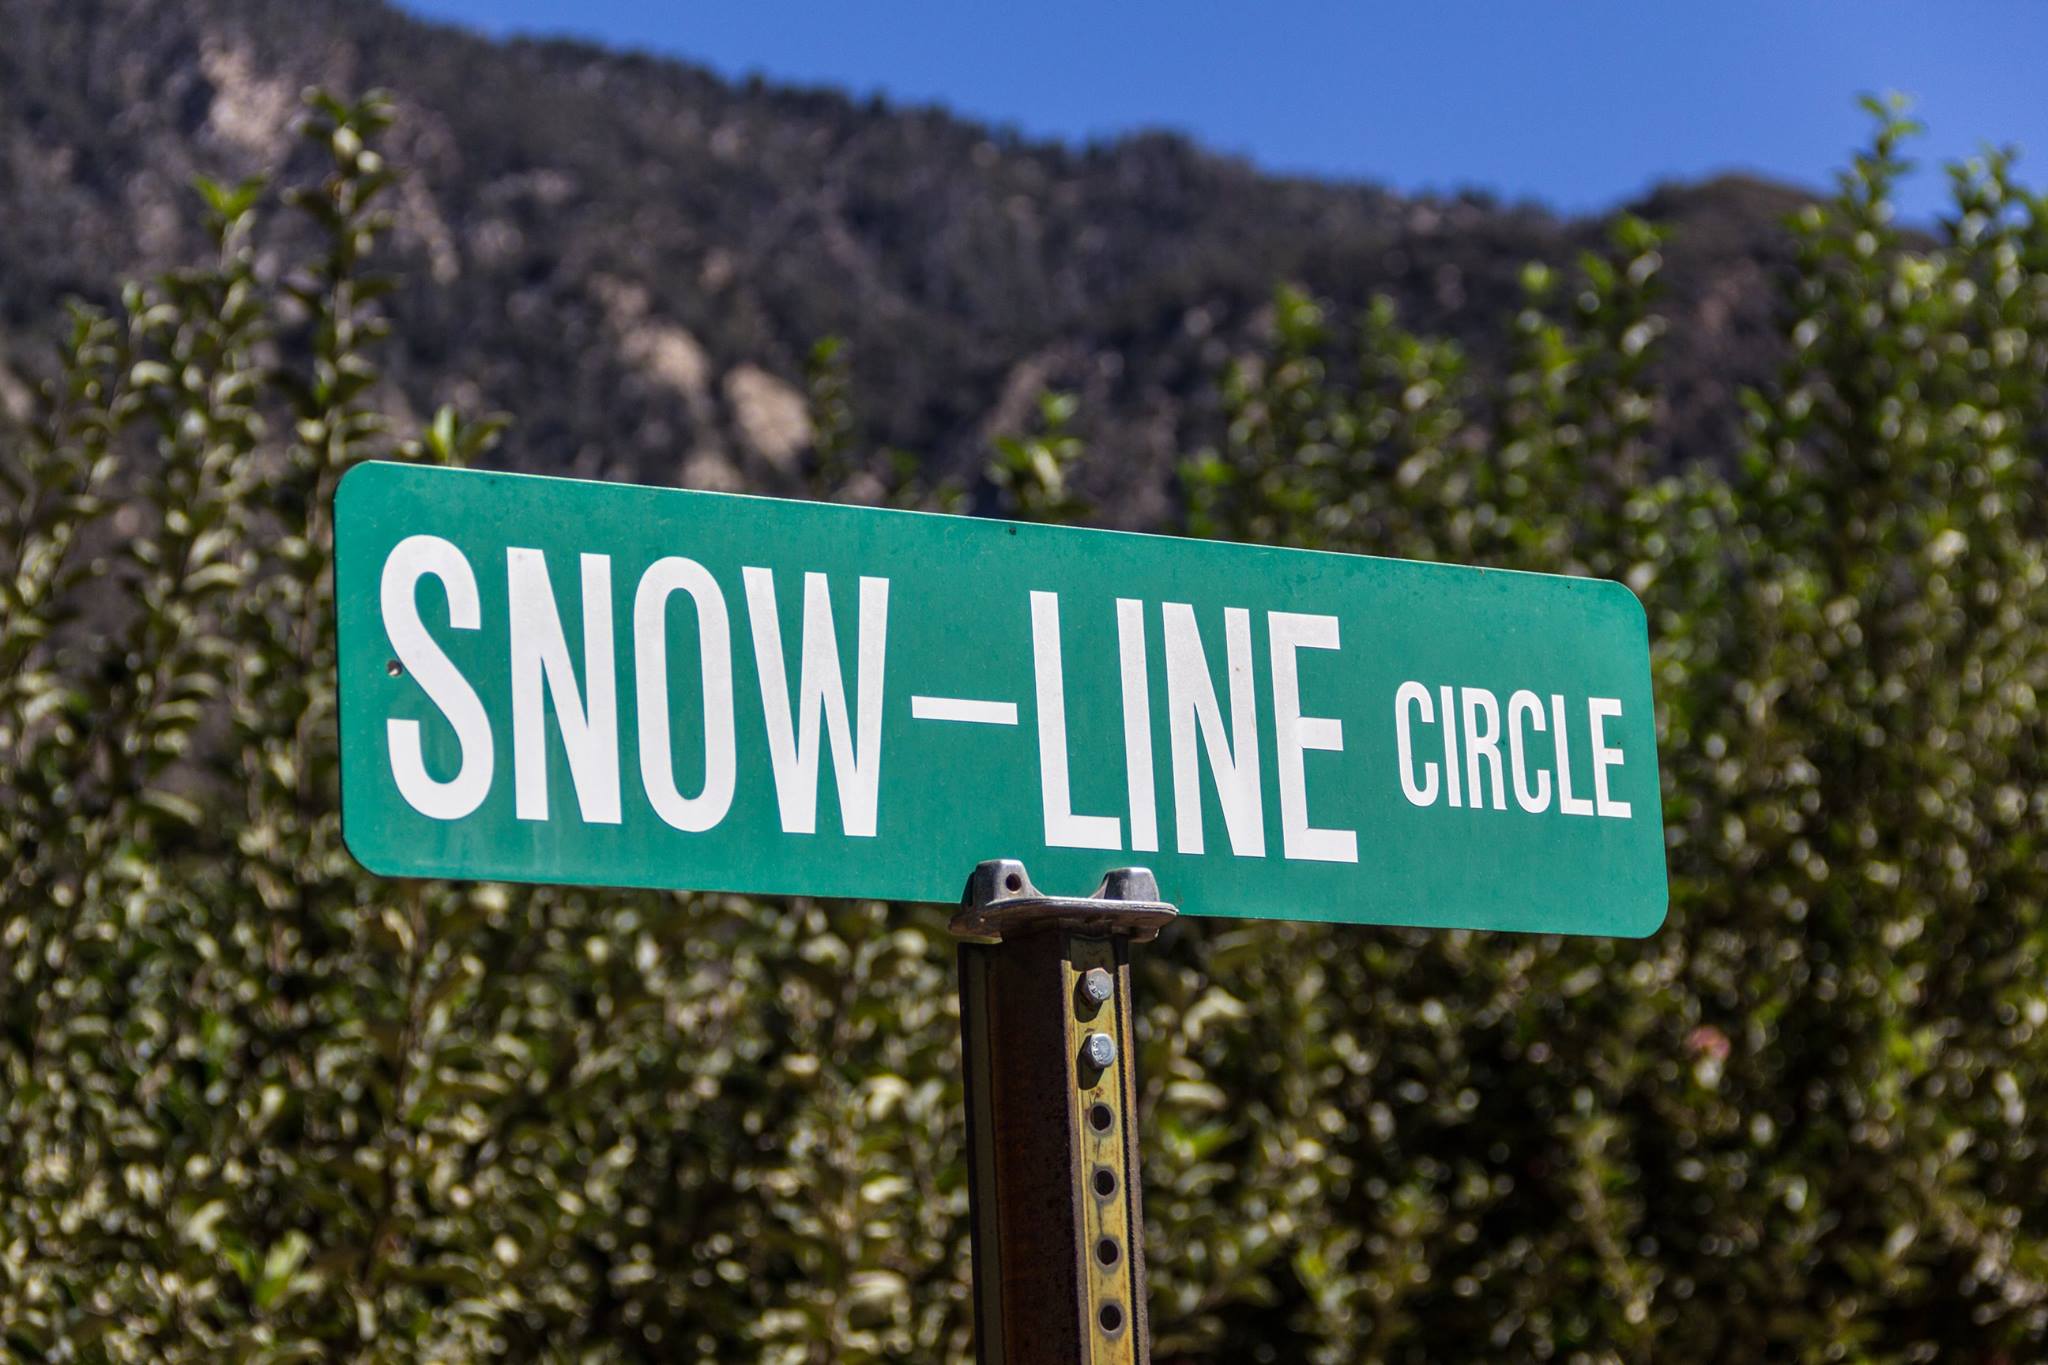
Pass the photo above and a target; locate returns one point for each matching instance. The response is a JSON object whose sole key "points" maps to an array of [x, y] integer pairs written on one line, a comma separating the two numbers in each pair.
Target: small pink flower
{"points": [[1708, 1041]]}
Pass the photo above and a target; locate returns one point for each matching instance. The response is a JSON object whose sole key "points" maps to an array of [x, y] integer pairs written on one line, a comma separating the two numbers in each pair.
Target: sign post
{"points": [[1050, 1066], [546, 680]]}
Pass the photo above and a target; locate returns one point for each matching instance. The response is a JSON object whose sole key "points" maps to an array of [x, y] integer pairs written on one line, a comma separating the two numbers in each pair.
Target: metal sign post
{"points": [[1045, 1024]]}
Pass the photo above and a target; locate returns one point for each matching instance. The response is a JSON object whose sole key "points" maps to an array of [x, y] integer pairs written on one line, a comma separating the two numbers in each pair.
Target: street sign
{"points": [[560, 681]]}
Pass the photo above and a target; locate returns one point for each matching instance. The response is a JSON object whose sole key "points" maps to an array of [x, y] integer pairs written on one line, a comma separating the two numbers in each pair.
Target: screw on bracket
{"points": [[1097, 986], [1100, 1050]]}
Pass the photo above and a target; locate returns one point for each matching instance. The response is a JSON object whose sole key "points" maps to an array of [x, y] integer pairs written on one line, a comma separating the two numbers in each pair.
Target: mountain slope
{"points": [[633, 256]]}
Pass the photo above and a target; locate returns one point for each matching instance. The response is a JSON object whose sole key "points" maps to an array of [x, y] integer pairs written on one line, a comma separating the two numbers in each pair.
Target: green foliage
{"points": [[257, 1105], [828, 386], [1802, 1122], [261, 1106], [887, 478], [1034, 474]]}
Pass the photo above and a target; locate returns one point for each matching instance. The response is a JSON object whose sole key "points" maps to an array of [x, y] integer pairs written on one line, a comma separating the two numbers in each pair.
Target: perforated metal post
{"points": [[1045, 1019]]}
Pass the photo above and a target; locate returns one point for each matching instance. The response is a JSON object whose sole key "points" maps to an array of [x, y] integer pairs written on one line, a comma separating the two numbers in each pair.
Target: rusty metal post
{"points": [[1045, 1025]]}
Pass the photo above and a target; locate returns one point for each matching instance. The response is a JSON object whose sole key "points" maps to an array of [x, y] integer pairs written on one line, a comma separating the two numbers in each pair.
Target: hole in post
{"points": [[1111, 1317], [1013, 883], [1106, 1251], [1105, 1181], [394, 668], [1099, 1118]]}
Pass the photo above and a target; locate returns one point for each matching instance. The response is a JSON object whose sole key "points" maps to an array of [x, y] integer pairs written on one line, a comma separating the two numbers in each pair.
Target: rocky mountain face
{"points": [[633, 256]]}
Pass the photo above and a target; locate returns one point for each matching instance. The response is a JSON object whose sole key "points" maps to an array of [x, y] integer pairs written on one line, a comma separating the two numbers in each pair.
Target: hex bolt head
{"points": [[1097, 986], [1100, 1050]]}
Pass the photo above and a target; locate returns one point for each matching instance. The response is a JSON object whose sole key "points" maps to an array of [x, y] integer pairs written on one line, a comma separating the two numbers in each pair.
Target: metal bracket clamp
{"points": [[1045, 1017], [1000, 902]]}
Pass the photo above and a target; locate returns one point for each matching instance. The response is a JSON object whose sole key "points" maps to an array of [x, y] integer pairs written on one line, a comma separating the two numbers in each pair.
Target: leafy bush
{"points": [[255, 1104], [1803, 1121]]}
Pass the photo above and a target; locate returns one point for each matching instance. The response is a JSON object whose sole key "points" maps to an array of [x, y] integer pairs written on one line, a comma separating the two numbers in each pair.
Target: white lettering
{"points": [[1483, 744], [821, 692], [1597, 711], [1191, 703], [1413, 696], [650, 654], [540, 664], [1450, 747], [966, 710], [1130, 648], [412, 559], [1293, 733], [1063, 828], [1566, 802], [1526, 703]]}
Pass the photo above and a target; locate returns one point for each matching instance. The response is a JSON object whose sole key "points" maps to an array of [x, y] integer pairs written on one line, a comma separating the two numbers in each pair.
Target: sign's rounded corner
{"points": [[370, 860], [349, 477], [1629, 599], [1654, 922]]}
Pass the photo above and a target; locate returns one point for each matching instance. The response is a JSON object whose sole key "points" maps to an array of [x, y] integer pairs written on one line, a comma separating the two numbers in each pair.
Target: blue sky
{"points": [[1576, 103]]}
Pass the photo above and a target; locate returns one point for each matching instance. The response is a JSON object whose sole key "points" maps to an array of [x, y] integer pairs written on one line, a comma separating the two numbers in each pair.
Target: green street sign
{"points": [[557, 681]]}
